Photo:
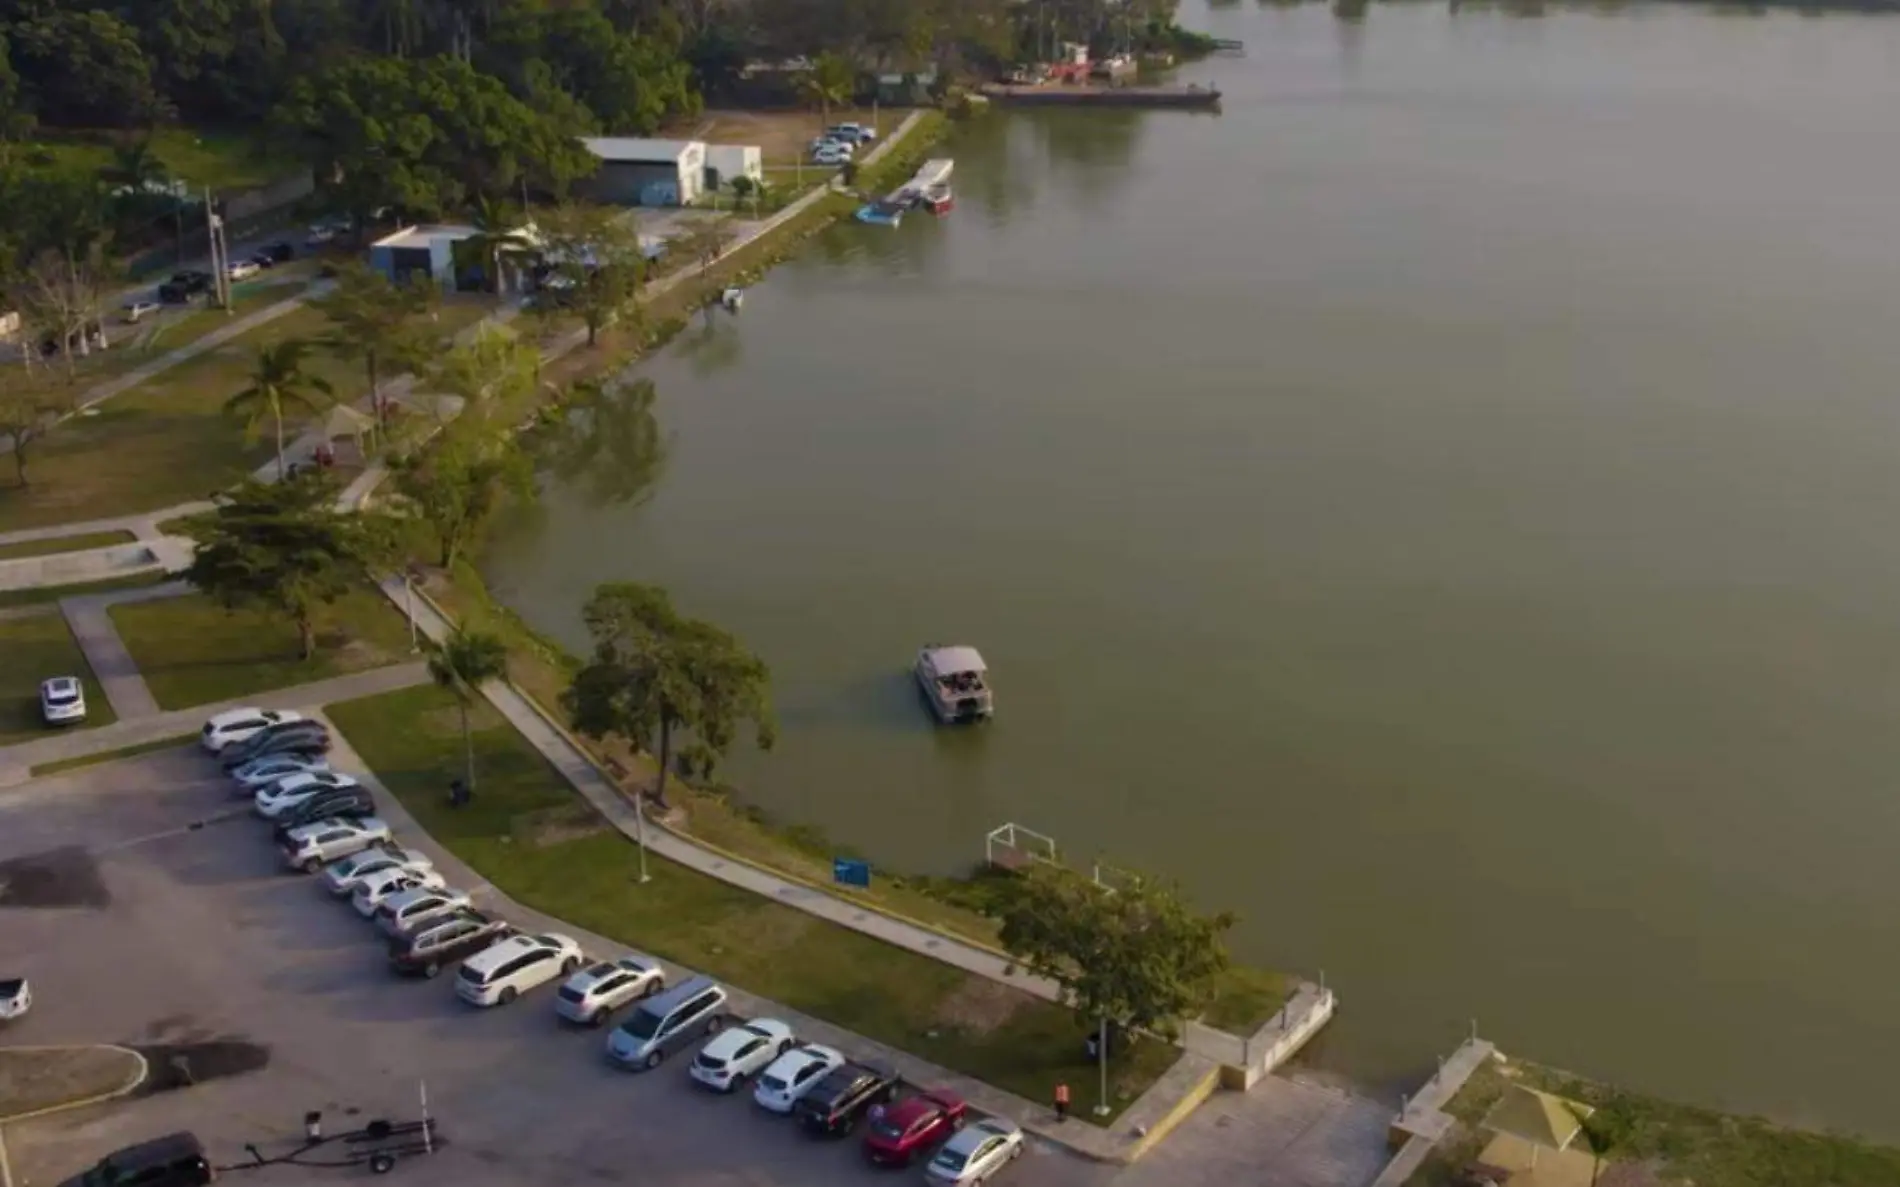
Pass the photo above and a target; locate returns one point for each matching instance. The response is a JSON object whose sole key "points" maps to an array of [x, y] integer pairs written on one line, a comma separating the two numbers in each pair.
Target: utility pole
{"points": [[220, 253]]}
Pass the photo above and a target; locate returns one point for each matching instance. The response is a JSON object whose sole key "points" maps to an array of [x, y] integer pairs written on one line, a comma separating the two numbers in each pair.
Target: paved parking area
{"points": [[180, 928]]}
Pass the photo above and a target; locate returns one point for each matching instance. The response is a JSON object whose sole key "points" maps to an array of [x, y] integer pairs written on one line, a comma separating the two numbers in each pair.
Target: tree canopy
{"points": [[1137, 955]]}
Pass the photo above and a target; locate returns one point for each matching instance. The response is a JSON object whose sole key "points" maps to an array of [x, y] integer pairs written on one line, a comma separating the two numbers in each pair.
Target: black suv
{"points": [[183, 286], [443, 941], [341, 803], [286, 737], [835, 1104]]}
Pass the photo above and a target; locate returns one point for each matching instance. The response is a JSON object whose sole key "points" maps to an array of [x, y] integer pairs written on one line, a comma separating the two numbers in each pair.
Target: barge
{"points": [[1191, 97]]}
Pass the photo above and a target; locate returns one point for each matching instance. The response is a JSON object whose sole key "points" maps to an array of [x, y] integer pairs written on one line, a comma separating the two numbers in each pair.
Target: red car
{"points": [[912, 1126]]}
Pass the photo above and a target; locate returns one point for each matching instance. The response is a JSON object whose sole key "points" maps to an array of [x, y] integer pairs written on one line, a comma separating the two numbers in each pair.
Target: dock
{"points": [[1191, 97], [888, 211]]}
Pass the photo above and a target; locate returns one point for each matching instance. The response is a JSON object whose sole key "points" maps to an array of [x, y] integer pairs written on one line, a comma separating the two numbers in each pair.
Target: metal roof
{"points": [[637, 148], [948, 661]]}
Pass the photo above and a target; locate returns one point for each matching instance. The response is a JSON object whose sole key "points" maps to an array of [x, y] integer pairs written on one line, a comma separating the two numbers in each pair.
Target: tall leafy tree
{"points": [[379, 322], [467, 660], [279, 383], [85, 68], [595, 264], [829, 83], [284, 547], [662, 681], [31, 403], [1137, 955], [457, 487]]}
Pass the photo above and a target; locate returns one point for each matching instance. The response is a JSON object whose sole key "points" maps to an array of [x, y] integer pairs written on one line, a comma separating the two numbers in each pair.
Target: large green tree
{"points": [[284, 547], [1138, 955], [667, 683], [84, 68], [378, 322], [279, 384], [31, 403], [594, 264], [457, 487]]}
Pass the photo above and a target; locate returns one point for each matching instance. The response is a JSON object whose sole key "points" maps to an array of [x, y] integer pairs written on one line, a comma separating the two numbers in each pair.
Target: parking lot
{"points": [[163, 918]]}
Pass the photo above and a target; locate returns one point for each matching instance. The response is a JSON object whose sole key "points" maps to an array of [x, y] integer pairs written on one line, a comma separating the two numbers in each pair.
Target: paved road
{"points": [[196, 935]]}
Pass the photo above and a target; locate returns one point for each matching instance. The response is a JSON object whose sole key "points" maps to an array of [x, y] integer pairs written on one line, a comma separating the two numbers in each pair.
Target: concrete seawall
{"points": [[1190, 97]]}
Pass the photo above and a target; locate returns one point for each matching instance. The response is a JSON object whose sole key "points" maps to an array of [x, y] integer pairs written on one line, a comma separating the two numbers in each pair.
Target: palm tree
{"points": [[829, 83], [496, 237], [467, 660], [278, 381], [137, 170]]}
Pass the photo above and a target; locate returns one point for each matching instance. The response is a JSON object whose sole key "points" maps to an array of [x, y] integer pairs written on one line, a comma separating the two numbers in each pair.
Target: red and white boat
{"points": [[938, 200]]}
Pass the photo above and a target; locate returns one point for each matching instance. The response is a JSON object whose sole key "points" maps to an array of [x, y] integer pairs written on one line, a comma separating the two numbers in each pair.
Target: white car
{"points": [[16, 998], [262, 772], [831, 154], [138, 310], [310, 847], [852, 133], [319, 235], [235, 725], [280, 797], [343, 877], [403, 910], [792, 1075], [62, 700], [829, 141], [509, 968], [975, 1153], [242, 270], [595, 992], [735, 1055], [376, 889]]}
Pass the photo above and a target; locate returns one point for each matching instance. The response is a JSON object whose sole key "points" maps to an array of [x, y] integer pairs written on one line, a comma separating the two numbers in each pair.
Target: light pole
{"points": [[409, 595], [1101, 1062], [640, 830]]}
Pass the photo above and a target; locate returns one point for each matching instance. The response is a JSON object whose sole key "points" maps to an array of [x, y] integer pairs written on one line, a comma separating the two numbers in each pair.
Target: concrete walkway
{"points": [[17, 762], [91, 622]]}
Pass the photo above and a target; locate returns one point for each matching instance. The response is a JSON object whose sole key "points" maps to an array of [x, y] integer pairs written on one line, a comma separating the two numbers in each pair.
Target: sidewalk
{"points": [[17, 762], [90, 618]]}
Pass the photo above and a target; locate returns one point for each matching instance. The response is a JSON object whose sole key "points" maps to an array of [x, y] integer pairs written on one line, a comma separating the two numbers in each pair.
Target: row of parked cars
{"points": [[325, 823], [840, 143]]}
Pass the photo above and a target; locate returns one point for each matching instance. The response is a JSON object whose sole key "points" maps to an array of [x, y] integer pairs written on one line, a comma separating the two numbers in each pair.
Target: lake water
{"points": [[1442, 508]]}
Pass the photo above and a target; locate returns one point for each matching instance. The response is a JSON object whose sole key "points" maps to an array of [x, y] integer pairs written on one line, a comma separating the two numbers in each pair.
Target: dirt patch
{"points": [[36, 1078], [64, 877], [980, 1005], [352, 654], [553, 826], [783, 136], [181, 1065]]}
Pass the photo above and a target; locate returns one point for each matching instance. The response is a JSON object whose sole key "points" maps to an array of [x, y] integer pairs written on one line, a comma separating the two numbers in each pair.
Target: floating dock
{"points": [[888, 211], [1190, 97]]}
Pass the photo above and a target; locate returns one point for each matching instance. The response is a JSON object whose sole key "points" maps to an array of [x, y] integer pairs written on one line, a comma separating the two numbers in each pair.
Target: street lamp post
{"points": [[1101, 1061], [640, 830], [409, 595]]}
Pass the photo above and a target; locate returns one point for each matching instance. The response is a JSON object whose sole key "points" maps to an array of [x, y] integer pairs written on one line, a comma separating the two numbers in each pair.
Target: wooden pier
{"points": [[1193, 98]]}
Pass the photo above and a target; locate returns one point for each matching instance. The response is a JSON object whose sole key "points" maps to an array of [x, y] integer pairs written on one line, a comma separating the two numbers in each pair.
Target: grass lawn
{"points": [[59, 544], [169, 439], [1247, 999], [37, 649], [202, 157], [1659, 1142], [192, 652], [534, 838]]}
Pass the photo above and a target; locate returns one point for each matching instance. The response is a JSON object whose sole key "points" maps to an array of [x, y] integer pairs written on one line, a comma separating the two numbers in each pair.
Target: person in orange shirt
{"points": [[1062, 1102]]}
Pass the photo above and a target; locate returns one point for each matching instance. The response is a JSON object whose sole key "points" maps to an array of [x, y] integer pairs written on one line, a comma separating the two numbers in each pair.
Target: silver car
{"points": [[312, 846], [595, 992], [343, 877], [975, 1153], [402, 912]]}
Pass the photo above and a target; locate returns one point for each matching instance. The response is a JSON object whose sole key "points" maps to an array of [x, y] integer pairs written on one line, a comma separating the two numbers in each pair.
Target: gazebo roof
{"points": [[345, 421], [1539, 1118]]}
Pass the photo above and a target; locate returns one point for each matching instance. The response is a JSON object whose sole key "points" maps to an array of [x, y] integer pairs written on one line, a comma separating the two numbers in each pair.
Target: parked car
{"points": [[259, 773], [319, 235], [427, 950], [912, 1126], [16, 998], [242, 270], [854, 133], [793, 1074], [835, 1104], [62, 700], [285, 794], [183, 286], [831, 155], [975, 1154], [235, 725], [343, 877], [665, 1022], [343, 803], [506, 969], [595, 992], [736, 1055], [138, 309], [376, 889], [307, 738], [175, 1160], [312, 846], [403, 911], [264, 259], [280, 251]]}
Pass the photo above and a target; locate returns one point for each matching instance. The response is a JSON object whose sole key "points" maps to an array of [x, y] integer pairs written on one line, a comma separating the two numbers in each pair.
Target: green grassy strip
{"points": [[87, 760], [55, 545]]}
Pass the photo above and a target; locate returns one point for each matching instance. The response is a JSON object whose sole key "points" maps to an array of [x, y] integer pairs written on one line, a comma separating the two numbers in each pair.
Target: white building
{"points": [[727, 162], [640, 172]]}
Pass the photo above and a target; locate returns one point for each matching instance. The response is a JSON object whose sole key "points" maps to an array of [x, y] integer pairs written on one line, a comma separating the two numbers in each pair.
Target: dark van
{"points": [[175, 1160]]}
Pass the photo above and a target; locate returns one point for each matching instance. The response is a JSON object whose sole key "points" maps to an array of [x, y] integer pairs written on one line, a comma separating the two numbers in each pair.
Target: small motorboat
{"points": [[732, 298], [952, 679], [882, 213], [938, 200]]}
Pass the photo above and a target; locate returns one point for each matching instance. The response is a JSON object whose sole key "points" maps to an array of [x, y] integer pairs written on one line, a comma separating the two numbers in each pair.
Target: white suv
{"points": [[343, 877], [235, 725], [403, 910], [737, 1054], [309, 847], [595, 992], [373, 890], [508, 968], [791, 1075], [62, 700]]}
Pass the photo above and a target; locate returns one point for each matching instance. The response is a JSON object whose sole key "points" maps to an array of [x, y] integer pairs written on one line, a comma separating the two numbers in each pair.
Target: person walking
{"points": [[1062, 1102]]}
